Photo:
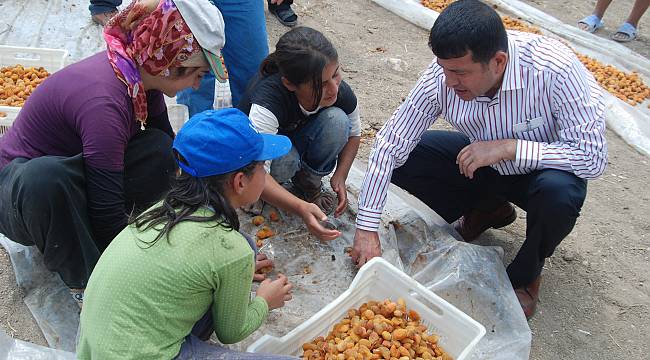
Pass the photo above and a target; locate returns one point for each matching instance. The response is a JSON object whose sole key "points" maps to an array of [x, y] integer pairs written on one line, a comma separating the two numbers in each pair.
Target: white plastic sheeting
{"points": [[17, 349], [632, 123], [414, 238]]}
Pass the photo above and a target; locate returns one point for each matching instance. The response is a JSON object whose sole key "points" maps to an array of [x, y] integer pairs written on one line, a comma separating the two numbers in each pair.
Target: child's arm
{"points": [[235, 316]]}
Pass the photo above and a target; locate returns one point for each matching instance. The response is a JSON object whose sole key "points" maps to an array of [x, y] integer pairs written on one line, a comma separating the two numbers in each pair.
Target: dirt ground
{"points": [[595, 291]]}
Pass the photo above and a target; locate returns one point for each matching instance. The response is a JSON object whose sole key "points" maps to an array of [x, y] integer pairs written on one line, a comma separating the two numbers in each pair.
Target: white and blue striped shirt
{"points": [[548, 101]]}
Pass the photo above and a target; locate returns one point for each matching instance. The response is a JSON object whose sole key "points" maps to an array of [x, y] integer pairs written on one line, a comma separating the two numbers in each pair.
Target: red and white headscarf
{"points": [[150, 34]]}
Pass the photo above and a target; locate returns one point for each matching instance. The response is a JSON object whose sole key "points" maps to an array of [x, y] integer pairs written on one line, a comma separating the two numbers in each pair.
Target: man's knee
{"points": [[558, 193]]}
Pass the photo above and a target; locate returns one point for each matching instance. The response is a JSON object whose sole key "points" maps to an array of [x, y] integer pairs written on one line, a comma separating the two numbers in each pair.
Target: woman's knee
{"points": [[334, 129], [48, 175], [335, 120], [283, 168]]}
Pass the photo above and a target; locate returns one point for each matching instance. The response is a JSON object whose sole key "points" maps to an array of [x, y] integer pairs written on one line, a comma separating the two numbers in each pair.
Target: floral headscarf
{"points": [[151, 34]]}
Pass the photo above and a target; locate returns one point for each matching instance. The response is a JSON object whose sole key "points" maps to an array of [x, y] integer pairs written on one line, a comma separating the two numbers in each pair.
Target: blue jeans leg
{"points": [[246, 47], [321, 140], [283, 168], [102, 6]]}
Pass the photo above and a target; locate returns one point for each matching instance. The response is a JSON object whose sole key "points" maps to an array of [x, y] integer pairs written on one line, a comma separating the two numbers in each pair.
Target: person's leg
{"points": [[639, 8], [246, 47], [195, 349], [319, 143], [628, 30], [431, 174], [44, 204], [601, 7], [149, 166], [246, 42], [103, 6], [285, 167], [553, 199], [321, 140]]}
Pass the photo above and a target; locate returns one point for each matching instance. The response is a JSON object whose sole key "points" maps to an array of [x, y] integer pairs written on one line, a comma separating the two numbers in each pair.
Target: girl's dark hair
{"points": [[300, 56], [187, 195]]}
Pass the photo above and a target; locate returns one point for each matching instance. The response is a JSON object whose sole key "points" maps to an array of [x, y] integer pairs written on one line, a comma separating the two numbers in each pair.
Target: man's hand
{"points": [[312, 216], [485, 153], [338, 185], [366, 246]]}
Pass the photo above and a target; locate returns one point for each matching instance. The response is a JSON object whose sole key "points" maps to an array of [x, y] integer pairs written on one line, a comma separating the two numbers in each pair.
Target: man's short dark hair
{"points": [[468, 25]]}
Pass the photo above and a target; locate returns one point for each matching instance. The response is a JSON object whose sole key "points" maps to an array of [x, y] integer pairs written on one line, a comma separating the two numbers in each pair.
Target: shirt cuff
{"points": [[529, 154], [368, 219]]}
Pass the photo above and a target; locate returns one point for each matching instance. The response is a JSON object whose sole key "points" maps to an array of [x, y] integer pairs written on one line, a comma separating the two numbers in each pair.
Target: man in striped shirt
{"points": [[530, 130]]}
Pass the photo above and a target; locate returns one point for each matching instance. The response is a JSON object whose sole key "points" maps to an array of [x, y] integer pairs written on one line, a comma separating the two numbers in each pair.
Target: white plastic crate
{"points": [[51, 59], [378, 280], [6, 121]]}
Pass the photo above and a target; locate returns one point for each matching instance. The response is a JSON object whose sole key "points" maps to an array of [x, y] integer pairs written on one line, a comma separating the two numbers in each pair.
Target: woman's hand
{"points": [[275, 292], [338, 185], [261, 262], [312, 216]]}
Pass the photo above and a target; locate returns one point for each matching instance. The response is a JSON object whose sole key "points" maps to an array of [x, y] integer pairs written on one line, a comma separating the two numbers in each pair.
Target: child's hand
{"points": [[263, 265], [275, 292]]}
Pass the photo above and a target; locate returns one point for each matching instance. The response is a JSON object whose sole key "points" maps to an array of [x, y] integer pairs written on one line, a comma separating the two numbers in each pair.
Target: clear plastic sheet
{"points": [[46, 296], [414, 238], [22, 350]]}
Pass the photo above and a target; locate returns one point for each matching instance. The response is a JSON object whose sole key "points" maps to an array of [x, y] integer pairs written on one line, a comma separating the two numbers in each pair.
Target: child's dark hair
{"points": [[468, 25], [187, 195], [300, 56]]}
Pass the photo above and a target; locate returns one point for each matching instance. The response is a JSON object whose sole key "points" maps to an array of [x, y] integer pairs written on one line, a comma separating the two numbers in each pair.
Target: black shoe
{"points": [[284, 13]]}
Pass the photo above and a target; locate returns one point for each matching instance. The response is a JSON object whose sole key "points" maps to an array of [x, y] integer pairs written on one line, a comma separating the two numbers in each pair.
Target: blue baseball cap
{"points": [[216, 142]]}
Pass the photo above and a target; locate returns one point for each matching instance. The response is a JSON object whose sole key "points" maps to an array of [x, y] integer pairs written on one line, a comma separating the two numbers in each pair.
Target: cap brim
{"points": [[274, 147], [217, 65]]}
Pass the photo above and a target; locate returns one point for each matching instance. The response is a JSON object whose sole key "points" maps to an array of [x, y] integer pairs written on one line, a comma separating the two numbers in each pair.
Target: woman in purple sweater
{"points": [[93, 142]]}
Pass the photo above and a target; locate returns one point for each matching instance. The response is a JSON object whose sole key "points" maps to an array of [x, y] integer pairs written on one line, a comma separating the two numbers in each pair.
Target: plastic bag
{"points": [[12, 349]]}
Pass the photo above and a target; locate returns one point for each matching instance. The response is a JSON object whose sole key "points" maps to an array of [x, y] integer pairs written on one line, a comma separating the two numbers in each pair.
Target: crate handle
{"points": [[27, 56], [424, 301]]}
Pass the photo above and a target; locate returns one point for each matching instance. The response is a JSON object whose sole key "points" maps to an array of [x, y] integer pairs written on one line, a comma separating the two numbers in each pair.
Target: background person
{"points": [[246, 47], [627, 31]]}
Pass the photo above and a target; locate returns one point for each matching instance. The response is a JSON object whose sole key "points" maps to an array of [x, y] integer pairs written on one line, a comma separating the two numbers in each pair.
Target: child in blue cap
{"points": [[181, 269]]}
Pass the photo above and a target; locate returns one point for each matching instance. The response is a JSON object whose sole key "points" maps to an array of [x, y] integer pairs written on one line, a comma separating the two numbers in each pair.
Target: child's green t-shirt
{"points": [[141, 302]]}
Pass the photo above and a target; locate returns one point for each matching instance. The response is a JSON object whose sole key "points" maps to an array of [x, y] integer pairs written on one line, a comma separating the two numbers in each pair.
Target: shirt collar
{"points": [[512, 75], [309, 113]]}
